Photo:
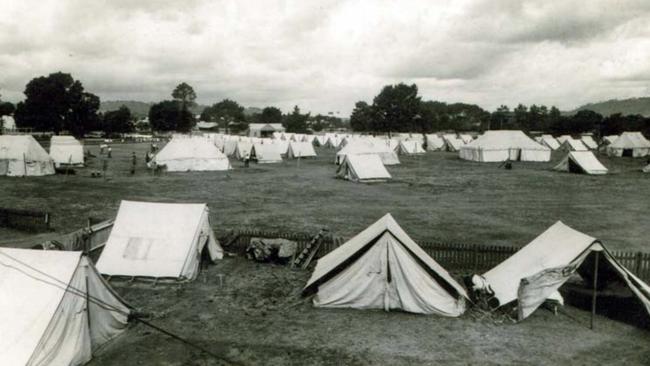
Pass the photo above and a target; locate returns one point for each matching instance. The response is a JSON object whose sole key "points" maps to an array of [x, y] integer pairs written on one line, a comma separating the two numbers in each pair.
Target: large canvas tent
{"points": [[549, 141], [243, 150], [452, 143], [581, 162], [435, 143], [66, 150], [265, 153], [589, 142], [300, 150], [184, 154], [502, 145], [410, 147], [632, 144], [159, 240], [571, 144], [22, 155], [383, 268], [363, 169], [370, 146], [539, 269], [55, 309]]}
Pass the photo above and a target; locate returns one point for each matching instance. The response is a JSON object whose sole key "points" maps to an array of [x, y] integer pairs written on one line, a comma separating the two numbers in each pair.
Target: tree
{"points": [[57, 102], [6, 108], [499, 119], [296, 122], [170, 115], [271, 115], [520, 117], [361, 117], [119, 121], [396, 107], [185, 94], [227, 112], [585, 121]]}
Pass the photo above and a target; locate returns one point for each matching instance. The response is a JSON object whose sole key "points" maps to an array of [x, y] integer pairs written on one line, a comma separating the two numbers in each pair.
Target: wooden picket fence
{"points": [[458, 258], [27, 220]]}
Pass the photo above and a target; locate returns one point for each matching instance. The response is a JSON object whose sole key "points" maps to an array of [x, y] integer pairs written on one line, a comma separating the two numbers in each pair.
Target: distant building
{"points": [[207, 126], [264, 129]]}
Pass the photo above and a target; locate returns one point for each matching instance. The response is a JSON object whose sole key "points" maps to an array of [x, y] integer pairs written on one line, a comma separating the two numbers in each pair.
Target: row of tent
{"points": [[22, 155], [61, 309], [210, 153]]}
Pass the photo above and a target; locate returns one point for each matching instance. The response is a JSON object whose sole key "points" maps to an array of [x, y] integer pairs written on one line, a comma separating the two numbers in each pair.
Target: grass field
{"points": [[255, 316], [435, 197]]}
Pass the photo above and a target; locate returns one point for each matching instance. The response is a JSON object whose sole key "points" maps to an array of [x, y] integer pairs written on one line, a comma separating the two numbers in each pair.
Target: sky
{"points": [[326, 55]]}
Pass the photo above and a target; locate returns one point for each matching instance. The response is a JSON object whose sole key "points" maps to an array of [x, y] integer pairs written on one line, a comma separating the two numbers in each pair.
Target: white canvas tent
{"points": [[549, 141], [300, 150], [632, 144], [589, 142], [410, 147], [571, 144], [466, 138], [363, 168], [539, 269], [435, 143], [581, 162], [265, 153], [320, 140], [55, 309], [22, 155], [183, 154], [502, 145], [66, 150], [452, 143], [243, 150], [383, 268], [159, 240], [369, 146]]}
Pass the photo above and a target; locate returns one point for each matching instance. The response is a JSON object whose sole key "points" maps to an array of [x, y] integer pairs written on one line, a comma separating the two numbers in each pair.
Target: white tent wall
{"points": [[158, 240], [540, 268], [581, 162], [191, 154], [365, 284], [22, 155], [502, 145], [355, 275], [632, 144], [435, 143], [570, 144], [589, 142], [371, 146], [265, 153], [363, 168], [47, 318], [300, 150], [410, 147], [243, 150], [550, 142], [66, 150]]}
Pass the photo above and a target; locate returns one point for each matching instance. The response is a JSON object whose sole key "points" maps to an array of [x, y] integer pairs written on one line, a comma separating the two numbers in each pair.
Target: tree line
{"points": [[58, 102], [398, 108]]}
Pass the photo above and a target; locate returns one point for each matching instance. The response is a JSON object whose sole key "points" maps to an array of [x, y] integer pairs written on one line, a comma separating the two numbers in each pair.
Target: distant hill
{"points": [[624, 106], [138, 109]]}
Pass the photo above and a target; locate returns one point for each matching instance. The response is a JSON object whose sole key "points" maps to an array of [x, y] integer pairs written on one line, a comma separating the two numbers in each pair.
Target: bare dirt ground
{"points": [[256, 317]]}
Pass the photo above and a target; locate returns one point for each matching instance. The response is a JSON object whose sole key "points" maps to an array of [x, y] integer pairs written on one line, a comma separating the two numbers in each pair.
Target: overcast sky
{"points": [[326, 55]]}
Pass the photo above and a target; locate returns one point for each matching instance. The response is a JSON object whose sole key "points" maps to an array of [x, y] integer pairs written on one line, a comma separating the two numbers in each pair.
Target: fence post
{"points": [[638, 263], [475, 258]]}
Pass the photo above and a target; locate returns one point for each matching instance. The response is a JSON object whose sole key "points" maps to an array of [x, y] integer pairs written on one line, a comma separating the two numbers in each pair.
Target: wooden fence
{"points": [[27, 220], [459, 258]]}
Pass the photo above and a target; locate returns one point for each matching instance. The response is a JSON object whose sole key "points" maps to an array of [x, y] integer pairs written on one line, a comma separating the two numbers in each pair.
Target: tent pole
{"points": [[593, 295]]}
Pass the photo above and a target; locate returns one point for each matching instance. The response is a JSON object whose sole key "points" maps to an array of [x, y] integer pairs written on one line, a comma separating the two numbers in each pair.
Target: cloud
{"points": [[326, 55]]}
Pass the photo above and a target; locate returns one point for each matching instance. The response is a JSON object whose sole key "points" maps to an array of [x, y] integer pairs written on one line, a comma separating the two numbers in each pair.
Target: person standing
{"points": [[109, 152], [133, 163]]}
